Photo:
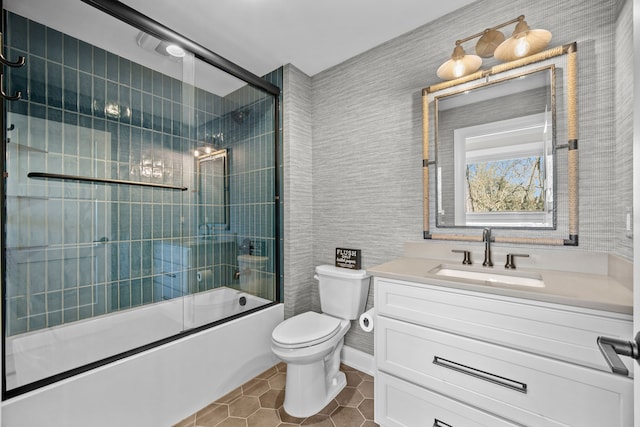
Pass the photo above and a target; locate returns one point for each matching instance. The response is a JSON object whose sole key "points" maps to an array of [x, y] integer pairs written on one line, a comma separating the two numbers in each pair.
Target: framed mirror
{"points": [[504, 152], [213, 191]]}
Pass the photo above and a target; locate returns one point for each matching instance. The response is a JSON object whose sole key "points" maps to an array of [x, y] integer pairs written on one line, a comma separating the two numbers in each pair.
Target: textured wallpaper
{"points": [[366, 176]]}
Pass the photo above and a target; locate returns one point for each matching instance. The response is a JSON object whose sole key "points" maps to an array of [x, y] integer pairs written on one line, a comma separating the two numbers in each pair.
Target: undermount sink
{"points": [[490, 277]]}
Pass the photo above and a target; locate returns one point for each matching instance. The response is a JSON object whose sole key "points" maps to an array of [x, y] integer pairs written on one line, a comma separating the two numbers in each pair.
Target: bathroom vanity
{"points": [[458, 351]]}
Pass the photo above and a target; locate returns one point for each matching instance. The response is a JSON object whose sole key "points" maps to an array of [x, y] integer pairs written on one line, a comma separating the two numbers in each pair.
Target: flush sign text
{"points": [[348, 258]]}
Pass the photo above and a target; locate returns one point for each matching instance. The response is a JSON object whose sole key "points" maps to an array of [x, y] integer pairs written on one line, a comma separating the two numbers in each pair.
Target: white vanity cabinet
{"points": [[449, 357]]}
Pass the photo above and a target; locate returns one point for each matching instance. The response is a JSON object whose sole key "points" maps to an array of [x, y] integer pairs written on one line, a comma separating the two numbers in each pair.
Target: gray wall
{"points": [[298, 200], [366, 131], [624, 128]]}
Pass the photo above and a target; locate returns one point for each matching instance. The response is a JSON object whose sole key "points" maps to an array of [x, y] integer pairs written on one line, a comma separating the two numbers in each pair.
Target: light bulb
{"points": [[196, 153], [207, 150], [175, 50], [522, 47], [458, 68]]}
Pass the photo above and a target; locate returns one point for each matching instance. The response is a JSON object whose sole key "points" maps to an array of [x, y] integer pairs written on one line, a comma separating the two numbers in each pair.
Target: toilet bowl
{"points": [[310, 343]]}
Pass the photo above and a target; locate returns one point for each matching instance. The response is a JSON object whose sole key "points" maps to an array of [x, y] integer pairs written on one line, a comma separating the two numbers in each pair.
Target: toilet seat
{"points": [[305, 330]]}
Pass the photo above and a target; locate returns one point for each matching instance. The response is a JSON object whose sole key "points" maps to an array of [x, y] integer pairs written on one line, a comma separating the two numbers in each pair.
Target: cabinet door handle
{"points": [[483, 375], [438, 423], [169, 274]]}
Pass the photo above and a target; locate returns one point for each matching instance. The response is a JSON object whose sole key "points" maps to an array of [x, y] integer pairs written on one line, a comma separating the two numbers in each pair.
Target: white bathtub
{"points": [[154, 388]]}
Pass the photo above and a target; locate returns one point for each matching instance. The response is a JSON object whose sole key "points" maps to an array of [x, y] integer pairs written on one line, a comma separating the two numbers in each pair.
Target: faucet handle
{"points": [[467, 255], [510, 265]]}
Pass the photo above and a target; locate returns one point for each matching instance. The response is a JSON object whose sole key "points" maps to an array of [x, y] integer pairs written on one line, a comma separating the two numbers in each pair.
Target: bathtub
{"points": [[153, 388]]}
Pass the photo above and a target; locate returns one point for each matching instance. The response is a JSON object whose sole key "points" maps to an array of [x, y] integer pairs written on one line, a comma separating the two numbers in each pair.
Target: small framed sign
{"points": [[348, 258]]}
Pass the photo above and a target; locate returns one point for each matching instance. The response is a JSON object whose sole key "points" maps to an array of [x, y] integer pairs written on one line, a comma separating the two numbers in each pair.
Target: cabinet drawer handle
{"points": [[487, 376], [438, 423]]}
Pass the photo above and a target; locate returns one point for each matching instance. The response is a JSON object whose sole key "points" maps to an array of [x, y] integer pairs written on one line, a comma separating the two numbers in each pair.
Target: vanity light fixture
{"points": [[523, 42], [459, 65]]}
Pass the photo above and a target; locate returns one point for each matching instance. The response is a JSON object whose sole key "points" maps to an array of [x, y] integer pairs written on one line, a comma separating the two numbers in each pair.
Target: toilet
{"points": [[310, 343]]}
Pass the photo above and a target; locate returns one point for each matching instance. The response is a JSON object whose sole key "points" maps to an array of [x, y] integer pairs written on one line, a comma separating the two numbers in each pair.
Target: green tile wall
{"points": [[86, 111]]}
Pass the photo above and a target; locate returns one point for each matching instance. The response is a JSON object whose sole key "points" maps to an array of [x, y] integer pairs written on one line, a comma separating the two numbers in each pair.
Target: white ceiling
{"points": [[313, 35]]}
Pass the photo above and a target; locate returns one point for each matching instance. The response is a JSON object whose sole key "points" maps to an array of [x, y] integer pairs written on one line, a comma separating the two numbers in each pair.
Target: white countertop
{"points": [[589, 290]]}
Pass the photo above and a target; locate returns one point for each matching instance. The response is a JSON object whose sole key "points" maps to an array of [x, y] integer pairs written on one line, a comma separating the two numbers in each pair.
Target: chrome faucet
{"points": [[486, 238]]}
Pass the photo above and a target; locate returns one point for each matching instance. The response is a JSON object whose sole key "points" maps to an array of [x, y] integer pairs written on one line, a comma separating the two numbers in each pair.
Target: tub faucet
{"points": [[486, 238]]}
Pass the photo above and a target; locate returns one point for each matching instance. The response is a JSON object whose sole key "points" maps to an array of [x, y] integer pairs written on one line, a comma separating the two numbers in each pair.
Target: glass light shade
{"points": [[523, 42], [459, 65], [175, 50]]}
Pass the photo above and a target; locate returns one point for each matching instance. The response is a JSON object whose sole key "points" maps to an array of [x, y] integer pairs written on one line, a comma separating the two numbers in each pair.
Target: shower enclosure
{"points": [[141, 179]]}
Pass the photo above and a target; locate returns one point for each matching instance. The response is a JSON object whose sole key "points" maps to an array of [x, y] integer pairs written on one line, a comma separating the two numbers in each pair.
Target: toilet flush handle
{"points": [[315, 276]]}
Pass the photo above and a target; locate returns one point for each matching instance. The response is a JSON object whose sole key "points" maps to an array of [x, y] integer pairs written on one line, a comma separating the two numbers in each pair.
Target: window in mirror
{"points": [[495, 153], [503, 172]]}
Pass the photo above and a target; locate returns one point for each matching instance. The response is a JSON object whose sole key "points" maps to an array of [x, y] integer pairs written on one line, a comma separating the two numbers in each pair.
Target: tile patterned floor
{"points": [[258, 403]]}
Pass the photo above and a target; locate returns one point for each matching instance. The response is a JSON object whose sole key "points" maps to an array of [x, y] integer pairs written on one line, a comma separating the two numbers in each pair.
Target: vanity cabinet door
{"points": [[408, 405], [553, 330], [518, 386]]}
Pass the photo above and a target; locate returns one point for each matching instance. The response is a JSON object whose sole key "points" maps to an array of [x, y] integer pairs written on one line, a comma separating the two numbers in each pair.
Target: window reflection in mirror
{"points": [[495, 154]]}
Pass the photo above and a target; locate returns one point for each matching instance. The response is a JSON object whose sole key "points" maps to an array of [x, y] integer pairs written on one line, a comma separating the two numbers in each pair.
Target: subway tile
{"points": [[54, 45], [37, 39], [54, 318], [99, 62], [70, 89], [70, 51], [157, 83], [136, 108], [124, 294], [147, 80], [85, 57], [124, 104], [38, 321], [99, 101], [85, 312], [18, 32], [37, 274], [85, 295], [136, 76], [85, 138], [70, 315], [112, 67], [37, 80], [70, 134], [85, 92], [37, 304], [70, 299], [54, 301], [124, 72], [54, 274]]}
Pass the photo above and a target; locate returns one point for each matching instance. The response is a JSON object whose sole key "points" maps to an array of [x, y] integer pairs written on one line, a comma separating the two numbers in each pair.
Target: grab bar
{"points": [[102, 180], [483, 375]]}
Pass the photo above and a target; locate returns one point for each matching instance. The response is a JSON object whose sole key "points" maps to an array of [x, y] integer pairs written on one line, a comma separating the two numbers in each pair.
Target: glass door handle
{"points": [[612, 347]]}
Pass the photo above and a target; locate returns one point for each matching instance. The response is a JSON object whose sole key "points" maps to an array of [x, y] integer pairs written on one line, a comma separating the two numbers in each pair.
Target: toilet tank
{"points": [[343, 292]]}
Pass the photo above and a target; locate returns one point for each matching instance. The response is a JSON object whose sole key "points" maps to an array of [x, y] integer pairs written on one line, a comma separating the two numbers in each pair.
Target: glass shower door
{"points": [[139, 195]]}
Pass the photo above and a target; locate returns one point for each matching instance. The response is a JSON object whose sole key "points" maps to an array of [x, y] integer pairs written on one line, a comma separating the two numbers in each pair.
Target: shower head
{"points": [[162, 47]]}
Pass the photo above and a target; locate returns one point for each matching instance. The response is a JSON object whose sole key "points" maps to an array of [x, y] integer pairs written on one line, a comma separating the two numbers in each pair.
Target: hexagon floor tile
{"points": [[258, 403]]}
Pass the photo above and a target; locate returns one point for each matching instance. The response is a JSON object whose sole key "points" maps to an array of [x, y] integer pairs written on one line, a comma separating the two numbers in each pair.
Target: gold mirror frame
{"points": [[572, 135]]}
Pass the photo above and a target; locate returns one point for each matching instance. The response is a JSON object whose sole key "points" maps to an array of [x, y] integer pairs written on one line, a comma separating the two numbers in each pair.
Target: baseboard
{"points": [[364, 362]]}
